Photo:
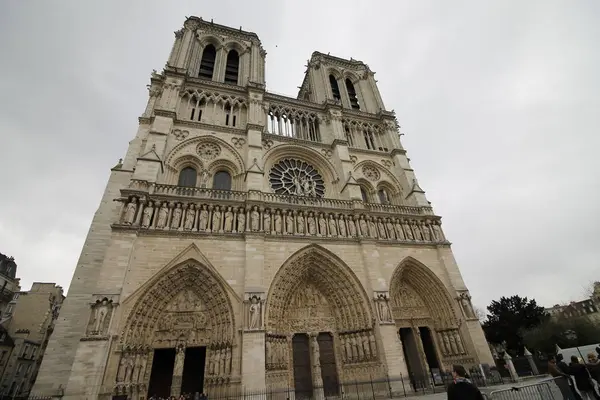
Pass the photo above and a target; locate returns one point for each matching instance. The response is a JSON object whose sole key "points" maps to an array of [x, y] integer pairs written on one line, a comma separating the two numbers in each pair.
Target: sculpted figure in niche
{"points": [[342, 224], [453, 344], [300, 223], [322, 225], [267, 221], [437, 231], [312, 226], [465, 302], [398, 229], [100, 312], [445, 344], [278, 222], [122, 368], [407, 230], [190, 216], [390, 229], [381, 228], [254, 311], [241, 220], [426, 231], [417, 231], [352, 225], [130, 211], [289, 223], [383, 307], [203, 219], [147, 215], [255, 220], [176, 218], [228, 220], [269, 351], [364, 230], [372, 229], [216, 220], [332, 227]]}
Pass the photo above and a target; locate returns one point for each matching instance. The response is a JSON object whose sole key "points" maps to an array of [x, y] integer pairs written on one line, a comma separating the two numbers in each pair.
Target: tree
{"points": [[561, 331], [480, 313], [508, 318]]}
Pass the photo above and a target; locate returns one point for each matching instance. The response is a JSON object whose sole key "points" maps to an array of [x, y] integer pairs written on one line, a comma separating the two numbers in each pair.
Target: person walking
{"points": [[462, 388], [561, 379], [582, 378]]}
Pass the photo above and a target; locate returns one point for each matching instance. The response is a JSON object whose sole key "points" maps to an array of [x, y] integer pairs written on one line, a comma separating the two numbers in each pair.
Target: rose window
{"points": [[297, 178], [208, 151]]}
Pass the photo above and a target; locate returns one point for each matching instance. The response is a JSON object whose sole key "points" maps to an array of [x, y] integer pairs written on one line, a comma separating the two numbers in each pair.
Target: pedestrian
{"points": [[561, 379], [462, 388], [582, 379]]}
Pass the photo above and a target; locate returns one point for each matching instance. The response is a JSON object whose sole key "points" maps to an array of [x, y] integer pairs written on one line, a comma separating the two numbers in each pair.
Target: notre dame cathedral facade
{"points": [[250, 241]]}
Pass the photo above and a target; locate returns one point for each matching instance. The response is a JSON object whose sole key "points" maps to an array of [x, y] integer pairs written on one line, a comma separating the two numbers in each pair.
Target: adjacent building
{"points": [[9, 284], [589, 308], [24, 335], [250, 241]]}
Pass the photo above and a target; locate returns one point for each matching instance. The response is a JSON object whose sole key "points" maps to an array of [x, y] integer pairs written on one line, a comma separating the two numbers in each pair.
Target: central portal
{"points": [[163, 371]]}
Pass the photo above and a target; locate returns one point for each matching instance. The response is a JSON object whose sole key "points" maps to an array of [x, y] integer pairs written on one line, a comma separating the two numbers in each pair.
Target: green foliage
{"points": [[564, 332], [508, 318]]}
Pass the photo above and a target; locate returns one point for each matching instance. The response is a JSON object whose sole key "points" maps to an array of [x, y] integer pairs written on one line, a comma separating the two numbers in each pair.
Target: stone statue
{"points": [[228, 220], [372, 229], [465, 302], [216, 220], [407, 231], [176, 218], [227, 361], [384, 310], [277, 221], [312, 226], [445, 344], [453, 344], [332, 226], [381, 229], [352, 226], [255, 220], [289, 223], [267, 221], [147, 214], [322, 225], [437, 231], [241, 220], [203, 219], [100, 312], [269, 351], [342, 225], [364, 230], [190, 216], [254, 320], [459, 344], [398, 228], [390, 229], [417, 231], [130, 211], [300, 224], [426, 231], [163, 214], [122, 368]]}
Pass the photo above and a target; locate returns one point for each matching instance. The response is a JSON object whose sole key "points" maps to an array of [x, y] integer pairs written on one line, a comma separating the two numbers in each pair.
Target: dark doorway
{"points": [[302, 367], [429, 347], [328, 368], [193, 370], [412, 357], [162, 373]]}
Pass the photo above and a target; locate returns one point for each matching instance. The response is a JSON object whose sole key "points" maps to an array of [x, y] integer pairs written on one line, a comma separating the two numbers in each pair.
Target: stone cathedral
{"points": [[250, 241]]}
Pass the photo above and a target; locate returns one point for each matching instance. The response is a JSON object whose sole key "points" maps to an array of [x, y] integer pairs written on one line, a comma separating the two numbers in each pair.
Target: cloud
{"points": [[498, 103]]}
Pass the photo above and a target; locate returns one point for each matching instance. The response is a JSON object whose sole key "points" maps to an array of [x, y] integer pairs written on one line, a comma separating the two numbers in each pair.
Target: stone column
{"points": [[315, 359], [392, 353], [511, 367], [178, 370]]}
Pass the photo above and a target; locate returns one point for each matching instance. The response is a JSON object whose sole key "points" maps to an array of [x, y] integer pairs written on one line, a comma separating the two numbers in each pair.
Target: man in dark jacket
{"points": [[582, 378], [462, 388]]}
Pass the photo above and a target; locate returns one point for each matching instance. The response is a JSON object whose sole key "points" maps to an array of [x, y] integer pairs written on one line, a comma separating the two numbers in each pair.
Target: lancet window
{"points": [[232, 67], [222, 181], [335, 89], [207, 63], [284, 121], [187, 177], [352, 95]]}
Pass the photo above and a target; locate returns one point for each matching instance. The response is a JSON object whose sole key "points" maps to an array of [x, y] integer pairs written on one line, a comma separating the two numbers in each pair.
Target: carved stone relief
{"points": [[309, 310], [382, 305], [208, 150], [370, 173], [464, 299], [180, 134], [101, 313], [254, 311]]}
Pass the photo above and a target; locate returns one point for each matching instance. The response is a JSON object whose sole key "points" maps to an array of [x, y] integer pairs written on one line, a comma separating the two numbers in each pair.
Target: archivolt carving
{"points": [[416, 293], [191, 301], [325, 285], [188, 147]]}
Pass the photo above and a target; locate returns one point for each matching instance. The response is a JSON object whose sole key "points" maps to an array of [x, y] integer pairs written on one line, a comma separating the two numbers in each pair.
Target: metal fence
{"points": [[545, 390], [26, 397]]}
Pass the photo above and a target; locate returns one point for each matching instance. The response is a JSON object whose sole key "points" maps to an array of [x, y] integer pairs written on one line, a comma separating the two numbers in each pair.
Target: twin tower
{"points": [[251, 242]]}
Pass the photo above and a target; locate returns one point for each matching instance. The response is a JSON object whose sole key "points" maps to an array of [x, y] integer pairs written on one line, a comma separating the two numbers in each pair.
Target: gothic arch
{"points": [[214, 316], [384, 174], [206, 39], [233, 44], [332, 277], [353, 78], [189, 147], [303, 153], [417, 293]]}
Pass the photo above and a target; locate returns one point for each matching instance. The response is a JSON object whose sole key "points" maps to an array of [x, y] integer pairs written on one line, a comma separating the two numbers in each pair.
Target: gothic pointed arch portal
{"points": [[316, 301], [425, 316], [187, 307]]}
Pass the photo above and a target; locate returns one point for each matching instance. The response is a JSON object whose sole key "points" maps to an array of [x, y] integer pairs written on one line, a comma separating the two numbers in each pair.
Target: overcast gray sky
{"points": [[499, 102]]}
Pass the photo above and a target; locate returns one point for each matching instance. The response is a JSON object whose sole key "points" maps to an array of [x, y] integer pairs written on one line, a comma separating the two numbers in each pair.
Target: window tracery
{"points": [[295, 177]]}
